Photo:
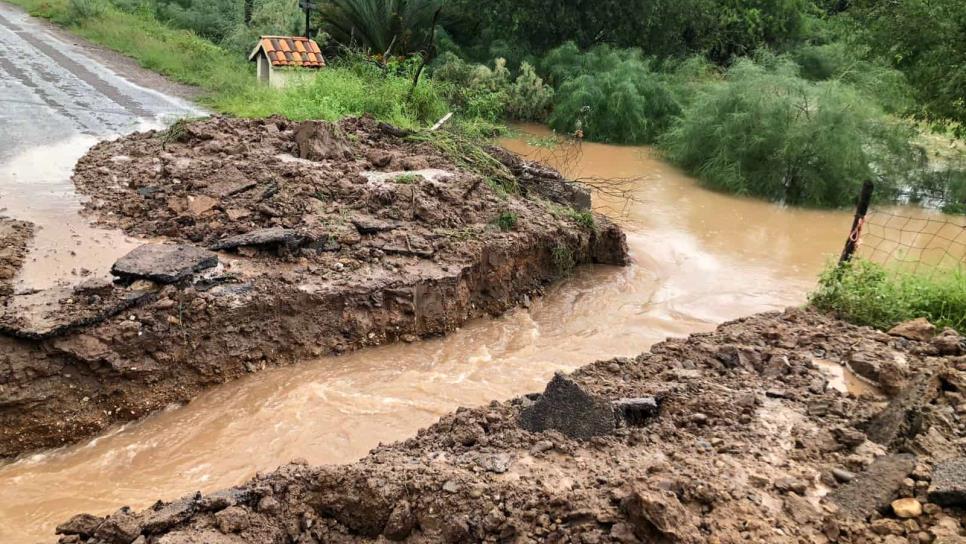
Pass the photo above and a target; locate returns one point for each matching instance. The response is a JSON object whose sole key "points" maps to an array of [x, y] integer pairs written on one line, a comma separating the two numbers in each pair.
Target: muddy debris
{"points": [[14, 237], [274, 242], [720, 461]]}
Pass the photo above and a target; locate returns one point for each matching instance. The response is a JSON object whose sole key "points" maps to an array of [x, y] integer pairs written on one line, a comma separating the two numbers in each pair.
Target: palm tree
{"points": [[388, 27]]}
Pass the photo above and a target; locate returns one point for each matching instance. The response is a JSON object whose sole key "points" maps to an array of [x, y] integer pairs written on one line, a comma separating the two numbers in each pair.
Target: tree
{"points": [[388, 27]]}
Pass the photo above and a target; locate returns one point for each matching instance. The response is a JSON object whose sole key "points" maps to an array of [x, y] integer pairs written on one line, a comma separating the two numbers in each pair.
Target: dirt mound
{"points": [[14, 236], [752, 440], [375, 236]]}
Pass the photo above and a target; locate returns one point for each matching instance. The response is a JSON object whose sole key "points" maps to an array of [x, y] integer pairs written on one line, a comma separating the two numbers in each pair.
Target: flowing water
{"points": [[699, 258]]}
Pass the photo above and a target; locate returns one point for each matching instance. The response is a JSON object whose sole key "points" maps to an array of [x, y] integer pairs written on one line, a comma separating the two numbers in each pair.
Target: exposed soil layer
{"points": [[328, 238], [732, 436], [14, 236]]}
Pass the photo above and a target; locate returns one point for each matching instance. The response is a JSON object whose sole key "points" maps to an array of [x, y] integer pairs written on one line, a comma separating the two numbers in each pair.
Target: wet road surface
{"points": [[57, 99]]}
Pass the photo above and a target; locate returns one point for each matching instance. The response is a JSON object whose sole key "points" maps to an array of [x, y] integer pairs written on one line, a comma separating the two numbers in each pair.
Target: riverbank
{"points": [[328, 238], [757, 432]]}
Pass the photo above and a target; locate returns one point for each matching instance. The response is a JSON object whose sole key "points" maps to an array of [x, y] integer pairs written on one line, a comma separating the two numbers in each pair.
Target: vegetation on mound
{"points": [[867, 293]]}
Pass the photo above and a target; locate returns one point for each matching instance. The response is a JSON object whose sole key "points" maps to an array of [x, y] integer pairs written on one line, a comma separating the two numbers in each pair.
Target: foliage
{"points": [[507, 221], [469, 153], [492, 93], [397, 27], [722, 29], [344, 89], [769, 133], [924, 39], [869, 294], [87, 9], [609, 95], [563, 259]]}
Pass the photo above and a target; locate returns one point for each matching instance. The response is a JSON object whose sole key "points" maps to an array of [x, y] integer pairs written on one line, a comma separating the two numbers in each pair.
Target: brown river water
{"points": [[700, 258]]}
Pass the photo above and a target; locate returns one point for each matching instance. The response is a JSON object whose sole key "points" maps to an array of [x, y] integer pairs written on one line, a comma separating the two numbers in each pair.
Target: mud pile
{"points": [[272, 241], [747, 434], [14, 236]]}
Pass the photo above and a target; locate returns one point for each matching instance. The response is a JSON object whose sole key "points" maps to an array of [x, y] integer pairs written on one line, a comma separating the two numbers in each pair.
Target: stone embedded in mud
{"points": [[658, 517], [320, 141], [121, 527], [636, 412], [566, 407], [948, 342], [949, 483], [274, 236], [82, 525], [163, 263], [907, 508], [920, 330], [366, 224], [874, 490]]}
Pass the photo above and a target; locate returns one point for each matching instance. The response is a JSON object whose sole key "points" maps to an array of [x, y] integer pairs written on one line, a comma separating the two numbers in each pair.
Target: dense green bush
{"points": [[765, 131], [492, 93], [609, 95], [396, 27], [869, 294]]}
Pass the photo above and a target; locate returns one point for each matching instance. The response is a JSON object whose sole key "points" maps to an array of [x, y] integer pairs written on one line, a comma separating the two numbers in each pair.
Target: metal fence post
{"points": [[861, 210]]}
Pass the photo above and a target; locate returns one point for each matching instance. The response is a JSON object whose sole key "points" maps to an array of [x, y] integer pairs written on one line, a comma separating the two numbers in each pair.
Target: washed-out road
{"points": [[58, 97]]}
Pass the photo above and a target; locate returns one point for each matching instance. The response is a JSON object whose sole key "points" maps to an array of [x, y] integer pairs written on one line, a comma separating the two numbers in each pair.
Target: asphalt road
{"points": [[58, 97]]}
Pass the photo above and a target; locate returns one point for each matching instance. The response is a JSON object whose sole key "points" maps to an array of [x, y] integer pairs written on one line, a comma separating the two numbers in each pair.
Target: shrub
{"points": [[770, 133], [87, 9], [610, 95], [507, 221], [491, 93], [868, 294], [529, 99]]}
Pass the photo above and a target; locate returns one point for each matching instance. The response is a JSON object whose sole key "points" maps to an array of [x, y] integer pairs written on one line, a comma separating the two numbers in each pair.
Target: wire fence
{"points": [[919, 240]]}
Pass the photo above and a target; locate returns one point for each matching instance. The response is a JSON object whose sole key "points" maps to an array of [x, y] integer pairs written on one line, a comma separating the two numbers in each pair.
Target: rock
{"points": [[320, 141], [739, 356], [366, 224], [119, 528], [874, 490], [907, 508], [233, 519], [163, 263], [274, 236], [541, 446], [401, 522], [949, 483], [198, 205], [564, 406], [920, 330], [636, 412], [82, 525], [843, 475], [450, 486], [800, 509], [865, 364], [165, 516], [658, 517], [948, 342]]}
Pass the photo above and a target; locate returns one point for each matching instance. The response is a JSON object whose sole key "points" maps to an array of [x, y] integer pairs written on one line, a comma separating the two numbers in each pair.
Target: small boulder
{"points": [[163, 263], [82, 525], [907, 508], [948, 342], [660, 518], [319, 141], [920, 330]]}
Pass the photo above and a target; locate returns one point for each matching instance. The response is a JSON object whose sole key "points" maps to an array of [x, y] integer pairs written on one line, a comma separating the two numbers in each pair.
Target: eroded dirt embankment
{"points": [[733, 436], [274, 241], [14, 236]]}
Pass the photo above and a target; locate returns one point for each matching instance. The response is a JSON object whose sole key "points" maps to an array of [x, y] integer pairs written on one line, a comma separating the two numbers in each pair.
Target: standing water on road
{"points": [[700, 258]]}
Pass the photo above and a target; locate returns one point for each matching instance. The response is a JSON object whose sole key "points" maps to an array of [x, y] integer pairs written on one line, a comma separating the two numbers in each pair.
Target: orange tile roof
{"points": [[290, 51]]}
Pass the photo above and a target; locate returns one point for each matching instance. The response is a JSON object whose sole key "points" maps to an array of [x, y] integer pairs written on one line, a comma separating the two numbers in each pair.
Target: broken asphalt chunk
{"points": [[949, 483], [274, 236], [163, 263], [636, 412], [874, 490], [566, 407]]}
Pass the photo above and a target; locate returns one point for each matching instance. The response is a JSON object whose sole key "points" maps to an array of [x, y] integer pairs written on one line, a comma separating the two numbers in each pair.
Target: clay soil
{"points": [[750, 442], [353, 235], [14, 236]]}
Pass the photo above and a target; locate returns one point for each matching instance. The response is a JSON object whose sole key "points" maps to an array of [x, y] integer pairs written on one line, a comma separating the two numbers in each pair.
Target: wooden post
{"points": [[861, 210]]}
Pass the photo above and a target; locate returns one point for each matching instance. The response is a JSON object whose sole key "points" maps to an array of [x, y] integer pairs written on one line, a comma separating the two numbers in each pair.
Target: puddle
{"points": [[841, 378]]}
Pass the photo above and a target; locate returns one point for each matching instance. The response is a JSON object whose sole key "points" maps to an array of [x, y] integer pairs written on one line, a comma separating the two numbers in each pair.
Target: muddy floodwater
{"points": [[700, 258]]}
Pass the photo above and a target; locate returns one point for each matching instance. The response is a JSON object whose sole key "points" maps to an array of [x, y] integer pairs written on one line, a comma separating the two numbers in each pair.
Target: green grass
{"points": [[870, 294], [228, 80], [507, 221]]}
